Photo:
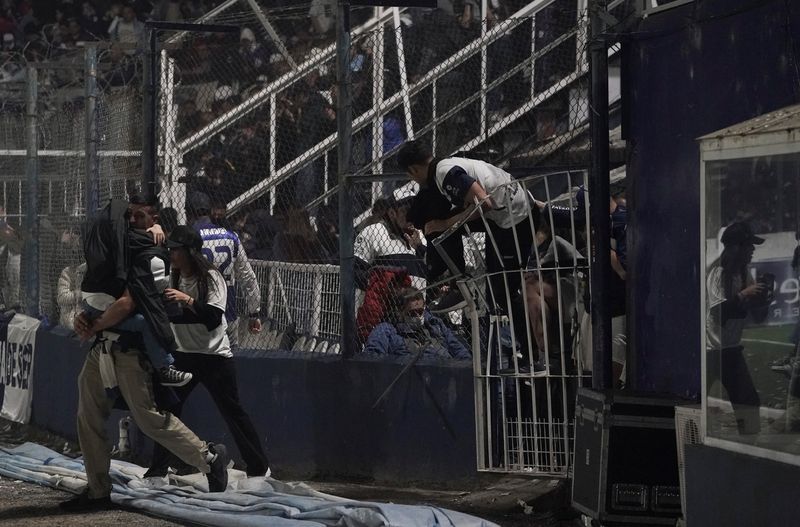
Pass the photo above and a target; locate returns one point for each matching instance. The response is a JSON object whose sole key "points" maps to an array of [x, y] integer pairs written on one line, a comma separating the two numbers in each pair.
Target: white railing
{"points": [[268, 97], [303, 298]]}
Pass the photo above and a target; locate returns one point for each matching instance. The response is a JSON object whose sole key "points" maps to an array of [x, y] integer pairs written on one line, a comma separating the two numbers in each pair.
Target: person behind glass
{"points": [[199, 325], [732, 295], [413, 329]]}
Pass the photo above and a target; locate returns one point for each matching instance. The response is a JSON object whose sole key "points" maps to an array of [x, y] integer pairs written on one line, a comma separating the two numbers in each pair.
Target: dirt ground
{"points": [[27, 505], [509, 501]]}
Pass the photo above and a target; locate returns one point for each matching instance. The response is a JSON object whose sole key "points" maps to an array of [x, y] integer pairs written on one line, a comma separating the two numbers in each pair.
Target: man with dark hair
{"points": [[147, 276], [412, 329], [504, 204], [115, 360], [224, 249]]}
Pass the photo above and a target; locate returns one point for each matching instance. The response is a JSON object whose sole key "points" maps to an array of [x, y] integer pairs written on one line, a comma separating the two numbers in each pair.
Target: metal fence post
{"points": [[150, 114], [344, 135], [599, 196], [31, 229], [92, 169]]}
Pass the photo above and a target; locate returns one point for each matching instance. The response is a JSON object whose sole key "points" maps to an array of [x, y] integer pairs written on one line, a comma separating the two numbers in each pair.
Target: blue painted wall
{"points": [[314, 413], [690, 71]]}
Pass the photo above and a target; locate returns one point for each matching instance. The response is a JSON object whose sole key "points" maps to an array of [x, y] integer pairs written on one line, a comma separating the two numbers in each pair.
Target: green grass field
{"points": [[762, 346]]}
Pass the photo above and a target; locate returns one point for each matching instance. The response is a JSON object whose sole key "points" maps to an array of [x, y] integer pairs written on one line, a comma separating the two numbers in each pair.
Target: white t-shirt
{"points": [[377, 246], [718, 335], [455, 175], [196, 338]]}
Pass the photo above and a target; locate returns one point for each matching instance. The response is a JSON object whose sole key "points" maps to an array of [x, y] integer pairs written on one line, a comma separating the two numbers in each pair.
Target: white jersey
{"points": [[376, 245], [196, 338], [223, 248], [455, 175]]}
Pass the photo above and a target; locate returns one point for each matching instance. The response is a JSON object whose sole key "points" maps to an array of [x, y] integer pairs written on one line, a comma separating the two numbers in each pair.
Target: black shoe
{"points": [[218, 475], [169, 376], [83, 503], [451, 301], [156, 472]]}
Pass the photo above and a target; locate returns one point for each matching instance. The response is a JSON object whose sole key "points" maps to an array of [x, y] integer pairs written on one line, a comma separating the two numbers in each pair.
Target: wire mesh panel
{"points": [[525, 320], [52, 145]]}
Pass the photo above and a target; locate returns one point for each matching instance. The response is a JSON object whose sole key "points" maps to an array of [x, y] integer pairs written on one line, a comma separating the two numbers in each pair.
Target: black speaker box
{"points": [[626, 461]]}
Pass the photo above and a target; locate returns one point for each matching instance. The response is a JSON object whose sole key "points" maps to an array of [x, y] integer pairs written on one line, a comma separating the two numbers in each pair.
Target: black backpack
{"points": [[105, 248]]}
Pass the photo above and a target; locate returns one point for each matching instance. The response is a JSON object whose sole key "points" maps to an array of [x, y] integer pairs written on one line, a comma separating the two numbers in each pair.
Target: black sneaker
{"points": [[169, 376], [83, 503], [156, 472], [218, 475], [451, 301]]}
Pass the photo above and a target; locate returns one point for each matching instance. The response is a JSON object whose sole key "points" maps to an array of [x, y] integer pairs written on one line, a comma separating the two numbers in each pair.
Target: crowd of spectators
{"points": [[218, 71]]}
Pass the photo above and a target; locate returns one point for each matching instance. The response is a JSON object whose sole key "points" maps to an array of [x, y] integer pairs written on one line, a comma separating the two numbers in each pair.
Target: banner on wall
{"points": [[17, 346]]}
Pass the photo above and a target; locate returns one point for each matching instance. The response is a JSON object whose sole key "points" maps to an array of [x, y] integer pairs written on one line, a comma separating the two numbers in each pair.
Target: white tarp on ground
{"points": [[255, 502]]}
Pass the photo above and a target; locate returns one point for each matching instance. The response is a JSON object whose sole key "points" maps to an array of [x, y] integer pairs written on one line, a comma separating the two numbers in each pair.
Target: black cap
{"points": [[740, 233], [184, 236], [198, 202]]}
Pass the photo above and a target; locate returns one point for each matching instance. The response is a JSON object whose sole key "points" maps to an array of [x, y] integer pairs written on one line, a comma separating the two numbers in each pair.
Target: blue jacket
{"points": [[389, 339]]}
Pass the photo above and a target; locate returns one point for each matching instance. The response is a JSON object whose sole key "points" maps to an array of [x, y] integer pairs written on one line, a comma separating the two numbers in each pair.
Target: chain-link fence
{"points": [[48, 94], [248, 131], [247, 152]]}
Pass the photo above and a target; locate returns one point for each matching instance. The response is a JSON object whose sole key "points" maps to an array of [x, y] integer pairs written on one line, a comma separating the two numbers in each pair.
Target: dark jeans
{"points": [[218, 375], [728, 365], [504, 289]]}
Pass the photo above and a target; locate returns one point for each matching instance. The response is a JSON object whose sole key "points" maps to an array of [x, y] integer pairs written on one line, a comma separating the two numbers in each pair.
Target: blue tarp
{"points": [[248, 502]]}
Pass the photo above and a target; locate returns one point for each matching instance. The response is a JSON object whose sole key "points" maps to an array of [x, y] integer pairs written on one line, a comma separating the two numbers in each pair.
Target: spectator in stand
{"points": [[169, 10], [219, 214], [387, 254], [68, 292], [379, 209], [411, 329], [91, 22], [11, 246], [224, 99], [254, 56], [317, 121], [123, 68], [297, 241], [323, 16], [127, 28], [258, 234], [392, 242]]}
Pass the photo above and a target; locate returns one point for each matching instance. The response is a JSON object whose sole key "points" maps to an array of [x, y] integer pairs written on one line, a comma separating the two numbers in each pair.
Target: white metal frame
{"points": [[380, 107], [551, 433], [722, 149]]}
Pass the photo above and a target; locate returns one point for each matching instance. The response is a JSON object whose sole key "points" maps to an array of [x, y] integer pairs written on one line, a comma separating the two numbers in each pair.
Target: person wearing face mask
{"points": [[387, 254], [412, 330]]}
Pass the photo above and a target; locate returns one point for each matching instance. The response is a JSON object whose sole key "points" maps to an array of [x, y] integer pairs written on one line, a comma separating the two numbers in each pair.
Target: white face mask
{"points": [[416, 321]]}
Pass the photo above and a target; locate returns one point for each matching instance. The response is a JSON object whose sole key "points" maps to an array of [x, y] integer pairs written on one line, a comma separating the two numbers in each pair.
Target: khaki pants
{"points": [[135, 383]]}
